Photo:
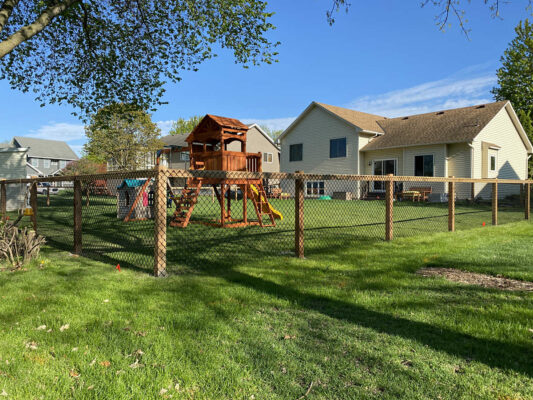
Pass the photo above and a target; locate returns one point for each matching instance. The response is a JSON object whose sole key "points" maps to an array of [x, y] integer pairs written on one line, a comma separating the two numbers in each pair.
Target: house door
{"points": [[383, 167]]}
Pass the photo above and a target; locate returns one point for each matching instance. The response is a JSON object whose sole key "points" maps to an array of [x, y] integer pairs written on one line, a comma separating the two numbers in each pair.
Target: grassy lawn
{"points": [[353, 321]]}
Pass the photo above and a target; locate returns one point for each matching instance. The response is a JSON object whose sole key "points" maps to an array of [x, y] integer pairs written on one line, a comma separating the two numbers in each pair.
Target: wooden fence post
{"points": [[451, 206], [78, 239], [527, 200], [299, 216], [33, 204], [472, 191], [495, 203], [389, 204], [48, 197], [3, 201], [160, 219]]}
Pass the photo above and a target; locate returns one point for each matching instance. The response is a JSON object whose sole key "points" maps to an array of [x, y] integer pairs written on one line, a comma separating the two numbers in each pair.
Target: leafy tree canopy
{"points": [[515, 77], [90, 53], [273, 133], [122, 136], [185, 126], [83, 166]]}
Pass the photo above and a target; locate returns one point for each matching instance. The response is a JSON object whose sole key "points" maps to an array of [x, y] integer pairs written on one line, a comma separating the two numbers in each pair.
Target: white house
{"points": [[483, 141]]}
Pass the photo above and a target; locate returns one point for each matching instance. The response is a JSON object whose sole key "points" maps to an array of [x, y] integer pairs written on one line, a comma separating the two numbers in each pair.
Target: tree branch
{"points": [[27, 32], [5, 11]]}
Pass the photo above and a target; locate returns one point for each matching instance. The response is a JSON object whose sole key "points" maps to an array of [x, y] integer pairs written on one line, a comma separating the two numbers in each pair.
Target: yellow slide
{"points": [[276, 213]]}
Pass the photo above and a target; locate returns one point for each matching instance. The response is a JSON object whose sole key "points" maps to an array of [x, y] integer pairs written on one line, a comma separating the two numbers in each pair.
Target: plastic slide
{"points": [[276, 213]]}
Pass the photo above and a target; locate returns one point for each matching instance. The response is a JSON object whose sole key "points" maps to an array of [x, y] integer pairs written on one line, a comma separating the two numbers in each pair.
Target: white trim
{"points": [[34, 168]]}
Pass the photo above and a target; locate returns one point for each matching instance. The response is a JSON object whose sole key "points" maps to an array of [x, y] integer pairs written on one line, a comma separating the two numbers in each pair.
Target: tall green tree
{"points": [[515, 77], [90, 53], [184, 126], [273, 133], [122, 136]]}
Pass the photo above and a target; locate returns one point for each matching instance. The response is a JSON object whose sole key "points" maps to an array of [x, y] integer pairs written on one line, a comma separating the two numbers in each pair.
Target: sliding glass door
{"points": [[383, 167]]}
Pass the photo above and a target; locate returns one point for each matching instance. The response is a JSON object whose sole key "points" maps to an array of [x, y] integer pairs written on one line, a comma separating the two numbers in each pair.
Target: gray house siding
{"points": [[13, 166]]}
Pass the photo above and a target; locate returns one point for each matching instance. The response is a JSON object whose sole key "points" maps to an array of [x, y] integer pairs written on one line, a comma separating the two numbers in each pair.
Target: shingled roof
{"points": [[43, 148], [458, 125], [175, 140], [365, 121]]}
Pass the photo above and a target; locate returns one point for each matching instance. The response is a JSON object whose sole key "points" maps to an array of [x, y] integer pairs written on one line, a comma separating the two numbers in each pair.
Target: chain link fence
{"points": [[163, 221]]}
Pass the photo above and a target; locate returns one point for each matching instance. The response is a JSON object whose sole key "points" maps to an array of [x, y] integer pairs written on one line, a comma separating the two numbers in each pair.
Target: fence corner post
{"points": [[160, 225], [495, 203], [33, 204], [77, 218], [389, 205], [299, 216], [527, 200], [3, 200], [451, 205]]}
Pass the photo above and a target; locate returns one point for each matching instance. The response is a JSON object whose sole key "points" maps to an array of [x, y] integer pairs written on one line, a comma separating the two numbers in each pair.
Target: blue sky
{"points": [[385, 57]]}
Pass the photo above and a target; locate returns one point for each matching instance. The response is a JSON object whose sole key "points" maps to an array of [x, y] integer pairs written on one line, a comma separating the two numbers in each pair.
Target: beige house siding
{"points": [[256, 142], [13, 166], [315, 131], [459, 166], [511, 157]]}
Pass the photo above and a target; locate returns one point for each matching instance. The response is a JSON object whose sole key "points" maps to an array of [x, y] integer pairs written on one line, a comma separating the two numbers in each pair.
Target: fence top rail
{"points": [[179, 173], [149, 173]]}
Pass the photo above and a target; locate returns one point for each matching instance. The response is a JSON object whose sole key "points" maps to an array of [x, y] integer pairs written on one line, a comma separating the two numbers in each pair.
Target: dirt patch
{"points": [[472, 278]]}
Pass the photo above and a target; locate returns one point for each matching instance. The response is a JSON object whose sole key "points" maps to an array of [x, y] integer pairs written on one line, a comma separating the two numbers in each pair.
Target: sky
{"points": [[384, 57]]}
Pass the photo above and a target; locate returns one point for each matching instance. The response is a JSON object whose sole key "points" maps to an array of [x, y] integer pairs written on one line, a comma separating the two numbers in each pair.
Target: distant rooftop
{"points": [[43, 148]]}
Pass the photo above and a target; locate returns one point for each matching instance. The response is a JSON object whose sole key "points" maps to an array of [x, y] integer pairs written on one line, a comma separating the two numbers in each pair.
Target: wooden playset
{"points": [[208, 150]]}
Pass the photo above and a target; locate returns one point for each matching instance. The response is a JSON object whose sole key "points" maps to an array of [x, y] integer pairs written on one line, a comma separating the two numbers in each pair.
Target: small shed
{"points": [[135, 199]]}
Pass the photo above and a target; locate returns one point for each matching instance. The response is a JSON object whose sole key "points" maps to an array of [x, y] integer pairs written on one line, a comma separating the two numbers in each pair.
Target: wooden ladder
{"points": [[259, 203], [185, 205]]}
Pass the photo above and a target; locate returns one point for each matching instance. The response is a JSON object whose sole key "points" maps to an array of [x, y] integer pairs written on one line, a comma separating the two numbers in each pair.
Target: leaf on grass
{"points": [[4, 393], [120, 371], [92, 362], [64, 327], [136, 364], [31, 346], [143, 334], [458, 369], [163, 391], [41, 327], [127, 328], [74, 349], [407, 363], [90, 387], [289, 337], [106, 301], [73, 373], [49, 330], [105, 363]]}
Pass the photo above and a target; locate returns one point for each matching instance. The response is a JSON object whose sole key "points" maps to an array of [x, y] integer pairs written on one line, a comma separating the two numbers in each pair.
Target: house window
{"points": [[493, 163], [46, 163], [184, 156], [337, 148], [35, 162], [62, 164], [268, 158], [315, 188], [296, 152], [424, 165]]}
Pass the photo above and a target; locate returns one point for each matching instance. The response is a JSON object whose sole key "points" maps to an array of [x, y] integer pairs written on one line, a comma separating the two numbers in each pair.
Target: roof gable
{"points": [[356, 119], [43, 148], [266, 135], [458, 125]]}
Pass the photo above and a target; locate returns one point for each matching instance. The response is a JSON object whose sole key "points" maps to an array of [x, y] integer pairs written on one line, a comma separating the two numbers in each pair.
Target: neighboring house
{"points": [[484, 141], [45, 157], [13, 166], [257, 141]]}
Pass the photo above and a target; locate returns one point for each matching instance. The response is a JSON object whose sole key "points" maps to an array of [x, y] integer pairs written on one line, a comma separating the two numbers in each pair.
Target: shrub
{"points": [[19, 246]]}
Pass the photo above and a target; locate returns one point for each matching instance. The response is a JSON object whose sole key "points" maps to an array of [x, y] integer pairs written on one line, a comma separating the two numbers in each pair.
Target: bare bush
{"points": [[19, 246]]}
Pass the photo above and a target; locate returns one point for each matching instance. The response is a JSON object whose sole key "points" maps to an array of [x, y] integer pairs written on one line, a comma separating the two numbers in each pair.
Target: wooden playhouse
{"points": [[208, 150]]}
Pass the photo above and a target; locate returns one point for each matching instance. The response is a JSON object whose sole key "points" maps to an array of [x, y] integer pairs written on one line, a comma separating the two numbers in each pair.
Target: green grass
{"points": [[353, 318]]}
